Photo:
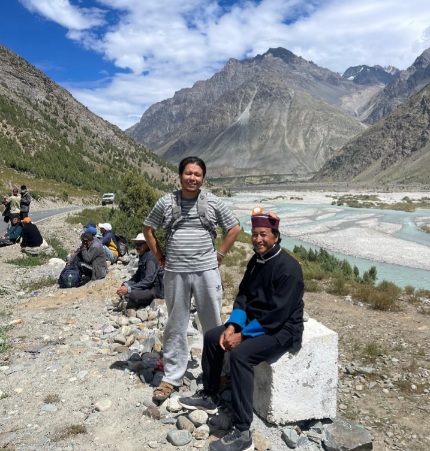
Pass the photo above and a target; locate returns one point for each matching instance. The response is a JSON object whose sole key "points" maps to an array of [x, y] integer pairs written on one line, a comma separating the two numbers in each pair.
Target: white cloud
{"points": [[65, 14], [170, 44]]}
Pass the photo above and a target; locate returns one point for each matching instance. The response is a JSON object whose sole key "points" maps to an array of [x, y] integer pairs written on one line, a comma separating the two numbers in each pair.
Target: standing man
{"points": [[189, 218], [14, 202], [147, 282], [25, 202], [266, 322]]}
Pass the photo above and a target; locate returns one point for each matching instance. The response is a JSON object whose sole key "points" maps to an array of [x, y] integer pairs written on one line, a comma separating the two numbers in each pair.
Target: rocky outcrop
{"points": [[395, 150], [407, 83]]}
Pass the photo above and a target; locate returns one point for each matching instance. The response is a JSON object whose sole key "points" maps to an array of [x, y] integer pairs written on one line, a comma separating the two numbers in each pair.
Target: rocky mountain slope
{"points": [[45, 132], [407, 83], [275, 113], [394, 150], [367, 75]]}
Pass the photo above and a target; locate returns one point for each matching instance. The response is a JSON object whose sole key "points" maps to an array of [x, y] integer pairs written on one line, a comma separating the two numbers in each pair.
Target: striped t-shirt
{"points": [[190, 247]]}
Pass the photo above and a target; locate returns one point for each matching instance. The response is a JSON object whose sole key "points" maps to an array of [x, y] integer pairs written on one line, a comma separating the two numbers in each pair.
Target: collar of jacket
{"points": [[272, 253]]}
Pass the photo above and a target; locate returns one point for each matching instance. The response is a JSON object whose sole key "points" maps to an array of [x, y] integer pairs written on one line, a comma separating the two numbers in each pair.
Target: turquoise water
{"points": [[400, 275]]}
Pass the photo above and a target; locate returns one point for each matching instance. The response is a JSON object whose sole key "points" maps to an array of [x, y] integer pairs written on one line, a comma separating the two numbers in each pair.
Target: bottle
{"points": [[69, 281]]}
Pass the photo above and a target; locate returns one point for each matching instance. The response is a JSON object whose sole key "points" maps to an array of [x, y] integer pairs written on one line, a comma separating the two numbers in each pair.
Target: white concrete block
{"points": [[300, 386]]}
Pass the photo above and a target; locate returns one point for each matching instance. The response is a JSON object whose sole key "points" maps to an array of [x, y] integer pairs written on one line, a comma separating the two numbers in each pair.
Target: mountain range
{"points": [[276, 114]]}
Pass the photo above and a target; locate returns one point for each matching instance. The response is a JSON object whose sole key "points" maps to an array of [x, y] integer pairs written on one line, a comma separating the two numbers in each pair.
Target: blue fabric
{"points": [[253, 329], [237, 317]]}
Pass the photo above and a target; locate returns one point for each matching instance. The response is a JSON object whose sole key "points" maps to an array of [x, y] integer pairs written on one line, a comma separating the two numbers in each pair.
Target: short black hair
{"points": [[192, 160], [87, 236], [277, 234]]}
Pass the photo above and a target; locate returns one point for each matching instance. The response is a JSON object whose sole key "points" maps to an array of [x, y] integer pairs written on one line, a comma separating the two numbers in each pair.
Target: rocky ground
{"points": [[73, 378]]}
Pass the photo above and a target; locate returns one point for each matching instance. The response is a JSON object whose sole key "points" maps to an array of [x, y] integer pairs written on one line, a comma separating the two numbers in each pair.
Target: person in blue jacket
{"points": [[266, 322], [13, 233]]}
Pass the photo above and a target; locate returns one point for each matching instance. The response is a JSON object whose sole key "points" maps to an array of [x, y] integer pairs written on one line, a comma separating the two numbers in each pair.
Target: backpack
{"points": [[202, 210], [121, 244], [70, 277]]}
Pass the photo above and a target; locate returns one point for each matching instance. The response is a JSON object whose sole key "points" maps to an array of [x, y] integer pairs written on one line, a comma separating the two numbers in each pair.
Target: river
{"points": [[387, 239]]}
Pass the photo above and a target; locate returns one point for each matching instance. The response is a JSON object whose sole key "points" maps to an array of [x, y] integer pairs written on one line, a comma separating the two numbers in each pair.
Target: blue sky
{"points": [[118, 57]]}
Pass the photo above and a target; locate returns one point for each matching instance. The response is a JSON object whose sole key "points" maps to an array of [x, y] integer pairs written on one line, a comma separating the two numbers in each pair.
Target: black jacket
{"points": [[149, 275], [30, 235], [270, 298]]}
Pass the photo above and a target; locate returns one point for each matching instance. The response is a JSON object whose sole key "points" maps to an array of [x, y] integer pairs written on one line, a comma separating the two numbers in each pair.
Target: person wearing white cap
{"points": [[109, 242], [147, 283]]}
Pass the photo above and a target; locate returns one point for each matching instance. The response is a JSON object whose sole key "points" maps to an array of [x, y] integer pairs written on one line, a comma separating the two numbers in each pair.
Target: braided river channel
{"points": [[390, 240]]}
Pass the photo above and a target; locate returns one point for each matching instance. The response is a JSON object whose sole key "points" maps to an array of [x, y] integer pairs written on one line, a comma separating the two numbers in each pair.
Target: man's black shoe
{"points": [[233, 441], [200, 401]]}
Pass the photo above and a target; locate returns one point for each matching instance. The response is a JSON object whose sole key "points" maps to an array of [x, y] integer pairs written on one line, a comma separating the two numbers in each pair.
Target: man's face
{"points": [[263, 239], [192, 178], [140, 246], [14, 220]]}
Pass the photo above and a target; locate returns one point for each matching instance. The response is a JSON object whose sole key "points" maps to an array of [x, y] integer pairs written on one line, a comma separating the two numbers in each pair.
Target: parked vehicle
{"points": [[108, 198]]}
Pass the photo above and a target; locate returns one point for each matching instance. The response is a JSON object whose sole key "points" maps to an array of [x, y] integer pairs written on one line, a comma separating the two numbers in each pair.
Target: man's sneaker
{"points": [[234, 441], [201, 401]]}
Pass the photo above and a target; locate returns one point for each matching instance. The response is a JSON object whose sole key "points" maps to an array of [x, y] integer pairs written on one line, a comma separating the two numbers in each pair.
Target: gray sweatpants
{"points": [[178, 289]]}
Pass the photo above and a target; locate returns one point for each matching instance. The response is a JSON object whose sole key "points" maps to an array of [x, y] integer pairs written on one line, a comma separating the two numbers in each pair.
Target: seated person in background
{"points": [[32, 241], [266, 322], [147, 283], [91, 257], [90, 227], [13, 232], [109, 242]]}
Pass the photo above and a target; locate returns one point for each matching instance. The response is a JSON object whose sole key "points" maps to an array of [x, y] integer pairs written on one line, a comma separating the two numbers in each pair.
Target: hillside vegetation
{"points": [[47, 134]]}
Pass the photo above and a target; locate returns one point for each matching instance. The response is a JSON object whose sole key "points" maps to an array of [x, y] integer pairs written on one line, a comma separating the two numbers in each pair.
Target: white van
{"points": [[108, 198]]}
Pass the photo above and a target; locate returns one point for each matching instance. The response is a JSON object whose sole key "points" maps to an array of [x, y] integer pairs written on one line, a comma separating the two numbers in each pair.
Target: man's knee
{"points": [[212, 335]]}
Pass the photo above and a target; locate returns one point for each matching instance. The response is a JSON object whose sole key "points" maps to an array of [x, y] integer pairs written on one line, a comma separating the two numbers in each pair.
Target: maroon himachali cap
{"points": [[270, 219]]}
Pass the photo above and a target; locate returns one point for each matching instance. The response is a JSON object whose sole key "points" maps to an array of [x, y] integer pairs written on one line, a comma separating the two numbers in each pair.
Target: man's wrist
{"points": [[161, 261], [221, 253]]}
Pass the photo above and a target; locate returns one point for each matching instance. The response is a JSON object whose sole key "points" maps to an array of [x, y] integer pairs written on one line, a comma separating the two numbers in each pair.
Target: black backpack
{"points": [[121, 245], [70, 277]]}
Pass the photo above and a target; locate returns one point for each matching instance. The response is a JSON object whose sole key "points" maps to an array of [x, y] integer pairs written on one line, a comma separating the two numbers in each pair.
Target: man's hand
{"points": [[122, 290], [229, 339]]}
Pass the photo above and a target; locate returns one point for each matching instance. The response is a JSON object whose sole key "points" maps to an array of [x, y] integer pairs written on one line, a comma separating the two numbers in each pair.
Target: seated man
{"points": [[266, 322], [147, 283], [91, 257], [31, 238], [13, 232], [109, 242]]}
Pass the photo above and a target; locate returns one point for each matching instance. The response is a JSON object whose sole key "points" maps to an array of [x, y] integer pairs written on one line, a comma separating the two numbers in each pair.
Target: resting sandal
{"points": [[163, 391]]}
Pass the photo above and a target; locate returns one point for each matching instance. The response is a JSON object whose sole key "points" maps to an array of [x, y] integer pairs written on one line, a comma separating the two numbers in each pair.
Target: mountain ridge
{"points": [[45, 132], [204, 119]]}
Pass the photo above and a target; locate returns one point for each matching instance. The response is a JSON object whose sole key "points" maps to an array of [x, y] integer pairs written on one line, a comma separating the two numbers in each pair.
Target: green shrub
{"points": [[409, 290], [25, 261], [311, 286], [57, 245], [377, 297], [44, 282], [371, 351], [338, 285]]}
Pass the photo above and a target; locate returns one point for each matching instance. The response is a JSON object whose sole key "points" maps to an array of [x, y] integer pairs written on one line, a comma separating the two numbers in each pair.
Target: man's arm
{"points": [[228, 242], [152, 241]]}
